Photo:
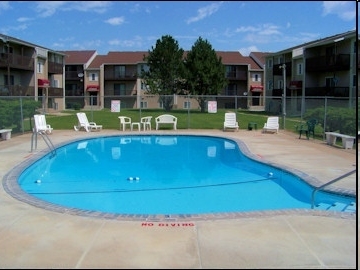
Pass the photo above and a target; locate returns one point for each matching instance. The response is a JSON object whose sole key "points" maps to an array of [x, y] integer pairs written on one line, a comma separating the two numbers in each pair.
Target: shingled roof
{"points": [[78, 57]]}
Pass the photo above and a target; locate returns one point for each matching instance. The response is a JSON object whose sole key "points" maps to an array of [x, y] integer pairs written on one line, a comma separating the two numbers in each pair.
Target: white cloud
{"points": [[115, 21], [23, 19], [136, 42], [4, 5], [247, 50], [345, 10], [48, 8], [265, 29], [205, 12]]}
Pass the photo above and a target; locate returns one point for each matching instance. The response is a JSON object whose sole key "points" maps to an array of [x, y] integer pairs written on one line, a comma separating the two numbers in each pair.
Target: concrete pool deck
{"points": [[32, 237]]}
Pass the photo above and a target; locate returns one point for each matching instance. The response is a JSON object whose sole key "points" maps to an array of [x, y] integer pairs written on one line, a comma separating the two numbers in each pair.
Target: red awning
{"points": [[256, 88], [295, 84], [92, 88], [43, 83]]}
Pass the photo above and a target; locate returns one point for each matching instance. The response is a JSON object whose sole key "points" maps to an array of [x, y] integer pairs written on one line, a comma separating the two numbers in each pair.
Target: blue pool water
{"points": [[152, 174]]}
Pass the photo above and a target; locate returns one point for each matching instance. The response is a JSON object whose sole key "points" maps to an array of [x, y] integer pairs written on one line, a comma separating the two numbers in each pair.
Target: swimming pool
{"points": [[152, 174]]}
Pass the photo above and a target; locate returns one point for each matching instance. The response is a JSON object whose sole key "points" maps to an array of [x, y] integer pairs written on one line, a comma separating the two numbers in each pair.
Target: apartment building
{"points": [[325, 67], [84, 79], [116, 76], [27, 69]]}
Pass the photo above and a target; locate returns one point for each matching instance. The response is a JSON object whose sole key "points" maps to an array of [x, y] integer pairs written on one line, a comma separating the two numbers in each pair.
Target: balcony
{"points": [[129, 74], [15, 61], [327, 91], [55, 68], [278, 71], [237, 75], [73, 75], [328, 63]]}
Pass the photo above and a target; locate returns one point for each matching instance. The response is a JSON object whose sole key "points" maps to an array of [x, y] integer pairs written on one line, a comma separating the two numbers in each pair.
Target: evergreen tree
{"points": [[165, 70], [205, 73]]}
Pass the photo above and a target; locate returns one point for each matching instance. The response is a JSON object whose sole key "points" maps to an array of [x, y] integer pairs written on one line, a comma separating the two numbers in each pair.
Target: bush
{"points": [[342, 120]]}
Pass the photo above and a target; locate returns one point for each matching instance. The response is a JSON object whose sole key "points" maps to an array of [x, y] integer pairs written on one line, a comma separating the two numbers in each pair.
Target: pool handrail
{"points": [[326, 184]]}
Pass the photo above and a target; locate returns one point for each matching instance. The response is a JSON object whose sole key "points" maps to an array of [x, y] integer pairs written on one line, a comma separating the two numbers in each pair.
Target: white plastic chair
{"points": [[146, 122], [124, 120]]}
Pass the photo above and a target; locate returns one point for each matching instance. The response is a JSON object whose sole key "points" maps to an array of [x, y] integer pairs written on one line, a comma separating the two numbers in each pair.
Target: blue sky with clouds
{"points": [[243, 26]]}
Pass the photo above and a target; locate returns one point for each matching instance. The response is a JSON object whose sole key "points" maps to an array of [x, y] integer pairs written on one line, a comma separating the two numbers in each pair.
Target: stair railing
{"points": [[326, 184]]}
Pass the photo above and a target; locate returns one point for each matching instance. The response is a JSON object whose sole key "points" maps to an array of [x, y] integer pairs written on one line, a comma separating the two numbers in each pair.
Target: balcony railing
{"points": [[128, 72], [55, 68], [327, 91], [328, 63], [279, 71], [73, 75], [237, 75], [15, 61], [111, 75]]}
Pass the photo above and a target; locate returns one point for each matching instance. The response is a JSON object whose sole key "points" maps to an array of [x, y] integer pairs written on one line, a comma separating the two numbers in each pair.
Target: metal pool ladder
{"points": [[46, 140], [329, 183]]}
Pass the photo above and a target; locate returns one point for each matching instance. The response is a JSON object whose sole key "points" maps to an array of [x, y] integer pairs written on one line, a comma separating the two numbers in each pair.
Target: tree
{"points": [[165, 70], [205, 73]]}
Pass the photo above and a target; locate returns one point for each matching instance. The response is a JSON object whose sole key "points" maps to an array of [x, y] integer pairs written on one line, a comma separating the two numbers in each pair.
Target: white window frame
{"points": [[93, 77], [143, 104], [40, 67], [256, 78], [187, 104], [55, 83], [299, 69]]}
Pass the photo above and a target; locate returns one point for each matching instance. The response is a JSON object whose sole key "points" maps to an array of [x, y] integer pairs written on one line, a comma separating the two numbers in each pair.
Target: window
{"points": [[11, 80], [354, 81], [143, 104], [231, 71], [8, 49], [256, 78], [280, 84], [270, 85], [144, 86], [55, 83], [231, 89], [40, 66], [93, 77], [187, 104], [330, 82], [119, 89], [299, 69], [119, 71], [280, 60], [270, 63]]}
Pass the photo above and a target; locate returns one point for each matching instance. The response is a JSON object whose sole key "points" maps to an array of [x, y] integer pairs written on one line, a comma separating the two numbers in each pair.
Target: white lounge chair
{"points": [[124, 120], [85, 124], [41, 125], [272, 124], [146, 122], [230, 121]]}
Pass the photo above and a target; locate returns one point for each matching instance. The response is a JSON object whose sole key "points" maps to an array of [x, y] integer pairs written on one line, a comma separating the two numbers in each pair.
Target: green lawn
{"points": [[186, 119]]}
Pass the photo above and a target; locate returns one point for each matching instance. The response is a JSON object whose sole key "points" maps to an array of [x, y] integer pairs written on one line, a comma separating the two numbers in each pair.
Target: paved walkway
{"points": [[33, 237]]}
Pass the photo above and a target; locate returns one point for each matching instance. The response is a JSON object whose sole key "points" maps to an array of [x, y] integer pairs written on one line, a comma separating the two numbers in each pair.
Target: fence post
{"points": [[325, 109]]}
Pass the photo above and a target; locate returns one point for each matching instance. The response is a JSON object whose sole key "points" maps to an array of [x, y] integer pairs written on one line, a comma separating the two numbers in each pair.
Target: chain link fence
{"points": [[333, 114]]}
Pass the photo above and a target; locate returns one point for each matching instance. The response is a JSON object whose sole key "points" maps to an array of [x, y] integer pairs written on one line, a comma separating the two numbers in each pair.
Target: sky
{"points": [[244, 26]]}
